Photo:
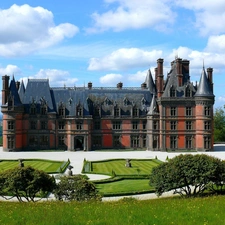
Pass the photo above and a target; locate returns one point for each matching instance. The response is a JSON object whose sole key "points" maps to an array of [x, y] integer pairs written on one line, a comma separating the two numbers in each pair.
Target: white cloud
{"points": [[216, 44], [209, 15], [57, 78], [124, 58], [111, 79], [10, 70], [138, 77], [134, 14], [25, 29]]}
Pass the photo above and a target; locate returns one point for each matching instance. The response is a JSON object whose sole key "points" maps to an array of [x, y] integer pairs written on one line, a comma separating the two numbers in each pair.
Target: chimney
{"points": [[159, 77], [143, 86], [120, 85], [17, 85], [89, 85], [5, 89], [179, 72], [210, 74]]}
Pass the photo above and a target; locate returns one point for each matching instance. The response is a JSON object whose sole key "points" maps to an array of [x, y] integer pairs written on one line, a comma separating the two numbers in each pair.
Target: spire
{"points": [[204, 87], [21, 91], [153, 107], [14, 92], [150, 83]]}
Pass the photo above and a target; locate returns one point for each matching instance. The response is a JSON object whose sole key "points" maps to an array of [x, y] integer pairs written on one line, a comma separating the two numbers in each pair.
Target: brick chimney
{"points": [[179, 72], [120, 85], [5, 89], [159, 77], [89, 85]]}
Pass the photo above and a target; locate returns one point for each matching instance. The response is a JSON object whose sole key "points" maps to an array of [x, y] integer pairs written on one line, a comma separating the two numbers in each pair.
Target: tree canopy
{"points": [[188, 174], [25, 183], [219, 124], [76, 188]]}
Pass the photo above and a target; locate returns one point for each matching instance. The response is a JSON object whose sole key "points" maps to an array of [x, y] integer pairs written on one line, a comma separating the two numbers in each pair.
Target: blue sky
{"points": [[108, 41]]}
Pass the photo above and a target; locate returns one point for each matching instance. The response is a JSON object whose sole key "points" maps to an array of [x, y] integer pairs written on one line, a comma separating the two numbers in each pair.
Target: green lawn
{"points": [[139, 167], [48, 166]]}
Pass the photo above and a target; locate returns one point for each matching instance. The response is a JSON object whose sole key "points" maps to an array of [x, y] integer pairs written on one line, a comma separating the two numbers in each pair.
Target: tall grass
{"points": [[207, 210]]}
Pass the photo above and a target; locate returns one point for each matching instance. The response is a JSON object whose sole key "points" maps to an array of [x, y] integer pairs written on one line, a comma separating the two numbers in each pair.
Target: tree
{"points": [[219, 125], [76, 187], [25, 183], [188, 174]]}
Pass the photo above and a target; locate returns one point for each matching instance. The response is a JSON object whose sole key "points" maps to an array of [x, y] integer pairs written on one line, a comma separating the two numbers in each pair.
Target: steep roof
{"points": [[204, 87], [14, 92], [21, 90], [150, 83], [153, 107]]}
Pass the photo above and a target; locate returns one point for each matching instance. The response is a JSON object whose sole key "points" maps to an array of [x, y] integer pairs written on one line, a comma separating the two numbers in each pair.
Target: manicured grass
{"points": [[178, 211], [139, 167], [48, 166], [124, 186]]}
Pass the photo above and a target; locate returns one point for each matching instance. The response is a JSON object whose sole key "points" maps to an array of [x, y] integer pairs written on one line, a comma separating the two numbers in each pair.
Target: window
{"points": [[97, 111], [97, 125], [33, 140], [135, 125], [173, 125], [207, 125], [188, 144], [188, 92], [61, 140], [173, 111], [61, 125], [116, 141], [43, 110], [44, 140], [207, 142], [188, 111], [188, 125], [144, 142], [207, 111], [79, 111], [172, 92], [33, 110], [10, 141], [135, 112], [144, 125], [97, 141], [11, 125], [134, 141], [61, 111], [33, 125], [173, 142], [155, 125], [116, 125], [79, 125], [116, 111], [43, 125]]}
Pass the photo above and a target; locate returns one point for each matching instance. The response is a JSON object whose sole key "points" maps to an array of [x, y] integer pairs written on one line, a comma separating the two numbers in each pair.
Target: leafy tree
{"points": [[219, 125], [188, 174], [76, 188], [25, 183]]}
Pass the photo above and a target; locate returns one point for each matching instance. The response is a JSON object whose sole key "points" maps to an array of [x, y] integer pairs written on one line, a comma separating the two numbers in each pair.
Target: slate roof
{"points": [[14, 92]]}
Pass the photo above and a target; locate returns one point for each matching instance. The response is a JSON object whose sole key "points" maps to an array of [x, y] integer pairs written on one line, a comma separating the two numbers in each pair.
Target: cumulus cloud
{"points": [[209, 15], [10, 70], [111, 79], [25, 29], [124, 58], [134, 15], [57, 78], [216, 44]]}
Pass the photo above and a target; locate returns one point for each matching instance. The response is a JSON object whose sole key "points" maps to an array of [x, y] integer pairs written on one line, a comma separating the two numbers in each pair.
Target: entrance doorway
{"points": [[79, 143]]}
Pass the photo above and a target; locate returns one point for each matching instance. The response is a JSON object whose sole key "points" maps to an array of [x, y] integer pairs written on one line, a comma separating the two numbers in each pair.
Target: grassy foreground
{"points": [[208, 210]]}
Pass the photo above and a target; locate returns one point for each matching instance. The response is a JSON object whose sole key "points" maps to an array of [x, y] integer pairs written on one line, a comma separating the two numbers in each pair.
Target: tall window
{"points": [[10, 141], [43, 110], [173, 111], [188, 111], [116, 141], [155, 125], [33, 125], [61, 140], [97, 141], [44, 125], [188, 144], [144, 142], [61, 111], [116, 125], [134, 141], [173, 125], [187, 92], [79, 111], [207, 142], [97, 125], [33, 140], [172, 92], [79, 125], [207, 125], [135, 112], [135, 125], [173, 142], [32, 109], [97, 111], [144, 125], [116, 112], [44, 140], [61, 125], [188, 125], [11, 125], [207, 111]]}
